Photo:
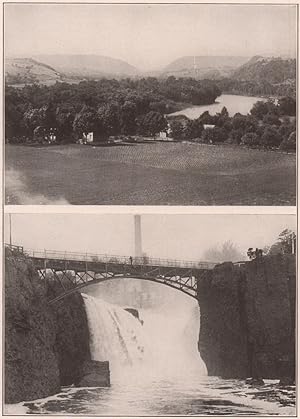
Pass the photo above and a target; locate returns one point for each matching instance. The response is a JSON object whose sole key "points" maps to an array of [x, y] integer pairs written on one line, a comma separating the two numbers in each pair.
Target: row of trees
{"points": [[107, 107], [268, 125], [257, 88]]}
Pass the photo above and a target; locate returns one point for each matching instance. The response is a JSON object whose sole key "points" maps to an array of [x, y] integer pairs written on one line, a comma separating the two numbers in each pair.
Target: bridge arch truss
{"points": [[74, 271], [71, 280]]}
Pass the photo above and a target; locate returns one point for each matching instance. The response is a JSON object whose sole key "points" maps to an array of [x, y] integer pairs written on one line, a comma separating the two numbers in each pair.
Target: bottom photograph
{"points": [[149, 315]]}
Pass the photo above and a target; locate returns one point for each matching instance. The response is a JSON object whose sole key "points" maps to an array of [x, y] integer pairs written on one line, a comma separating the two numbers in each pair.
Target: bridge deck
{"points": [[97, 260]]}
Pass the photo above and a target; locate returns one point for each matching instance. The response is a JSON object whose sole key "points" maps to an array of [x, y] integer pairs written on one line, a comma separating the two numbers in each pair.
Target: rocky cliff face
{"points": [[72, 337], [248, 318], [31, 367], [44, 345], [223, 341]]}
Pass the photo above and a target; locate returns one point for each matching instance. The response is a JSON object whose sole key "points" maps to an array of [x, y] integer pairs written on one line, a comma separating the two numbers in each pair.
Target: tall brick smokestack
{"points": [[138, 252]]}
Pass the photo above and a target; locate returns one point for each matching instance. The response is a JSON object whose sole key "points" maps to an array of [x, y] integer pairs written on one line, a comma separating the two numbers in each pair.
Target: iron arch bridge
{"points": [[74, 271]]}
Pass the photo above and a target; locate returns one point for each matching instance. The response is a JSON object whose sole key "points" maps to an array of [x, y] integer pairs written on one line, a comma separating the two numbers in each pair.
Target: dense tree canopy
{"points": [[129, 107], [289, 143], [85, 121], [264, 127], [107, 107], [258, 87], [287, 106], [152, 123], [250, 138], [177, 129], [261, 109]]}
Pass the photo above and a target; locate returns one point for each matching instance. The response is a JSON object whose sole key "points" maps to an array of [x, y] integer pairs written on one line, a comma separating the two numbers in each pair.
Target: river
{"points": [[156, 370], [190, 395], [233, 103]]}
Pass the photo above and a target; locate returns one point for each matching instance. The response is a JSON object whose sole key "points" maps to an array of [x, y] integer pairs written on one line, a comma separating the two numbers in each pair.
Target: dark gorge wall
{"points": [[31, 368], [248, 318], [222, 342], [44, 345], [72, 334]]}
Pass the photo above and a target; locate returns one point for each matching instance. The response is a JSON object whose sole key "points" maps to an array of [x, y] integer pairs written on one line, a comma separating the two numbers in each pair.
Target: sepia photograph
{"points": [[150, 104], [150, 314]]}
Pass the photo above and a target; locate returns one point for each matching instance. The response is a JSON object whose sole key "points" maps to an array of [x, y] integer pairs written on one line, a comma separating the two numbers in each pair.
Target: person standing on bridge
{"points": [[131, 260]]}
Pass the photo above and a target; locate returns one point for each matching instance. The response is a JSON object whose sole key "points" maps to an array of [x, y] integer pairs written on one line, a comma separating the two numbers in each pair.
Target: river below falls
{"points": [[163, 397]]}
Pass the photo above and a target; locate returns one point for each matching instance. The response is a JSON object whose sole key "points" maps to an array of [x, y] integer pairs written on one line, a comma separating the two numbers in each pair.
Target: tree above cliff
{"points": [[285, 244], [227, 252]]}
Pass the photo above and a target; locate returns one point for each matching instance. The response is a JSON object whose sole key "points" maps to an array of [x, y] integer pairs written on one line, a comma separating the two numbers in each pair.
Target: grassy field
{"points": [[150, 174]]}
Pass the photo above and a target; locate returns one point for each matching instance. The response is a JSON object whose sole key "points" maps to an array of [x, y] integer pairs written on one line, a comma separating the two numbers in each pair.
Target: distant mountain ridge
{"points": [[213, 67], [48, 69], [88, 65]]}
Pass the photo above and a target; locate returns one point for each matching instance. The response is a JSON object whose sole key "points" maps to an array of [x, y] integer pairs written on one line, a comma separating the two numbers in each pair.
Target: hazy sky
{"points": [[184, 237], [149, 36]]}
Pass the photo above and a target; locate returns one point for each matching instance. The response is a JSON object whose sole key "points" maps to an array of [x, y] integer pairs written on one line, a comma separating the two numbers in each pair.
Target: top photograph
{"points": [[150, 104]]}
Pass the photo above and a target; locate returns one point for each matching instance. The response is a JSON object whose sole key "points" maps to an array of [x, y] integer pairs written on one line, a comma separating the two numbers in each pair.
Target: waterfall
{"points": [[115, 335], [172, 341], [164, 345]]}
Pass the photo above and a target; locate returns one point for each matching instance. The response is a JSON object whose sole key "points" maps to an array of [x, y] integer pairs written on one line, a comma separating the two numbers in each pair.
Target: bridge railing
{"points": [[106, 258]]}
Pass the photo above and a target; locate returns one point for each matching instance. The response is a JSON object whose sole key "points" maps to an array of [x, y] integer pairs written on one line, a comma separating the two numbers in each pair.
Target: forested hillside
{"points": [[263, 76], [274, 70]]}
